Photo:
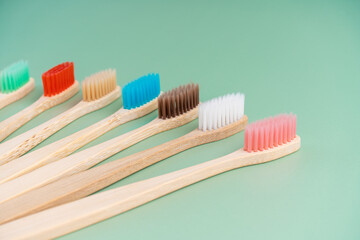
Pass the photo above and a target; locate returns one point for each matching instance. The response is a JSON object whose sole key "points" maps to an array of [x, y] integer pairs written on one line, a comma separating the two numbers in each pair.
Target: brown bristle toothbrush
{"points": [[177, 107], [265, 141], [99, 90], [139, 98], [59, 85], [218, 118]]}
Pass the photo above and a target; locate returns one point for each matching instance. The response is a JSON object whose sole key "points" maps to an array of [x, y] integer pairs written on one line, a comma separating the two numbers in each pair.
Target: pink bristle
{"points": [[280, 131], [284, 139], [255, 138], [276, 135], [261, 137], [250, 139], [267, 135], [294, 130], [271, 136], [246, 144], [289, 130], [270, 132]]}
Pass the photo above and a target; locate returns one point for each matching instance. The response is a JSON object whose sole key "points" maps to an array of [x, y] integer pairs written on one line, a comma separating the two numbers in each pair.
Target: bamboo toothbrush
{"points": [[15, 83], [99, 90], [265, 141], [139, 99], [59, 85], [218, 119], [185, 99]]}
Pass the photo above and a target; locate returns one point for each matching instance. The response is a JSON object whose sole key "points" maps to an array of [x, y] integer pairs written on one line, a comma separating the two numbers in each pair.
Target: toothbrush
{"points": [[99, 90], [184, 101], [59, 85], [227, 118], [15, 83], [265, 141], [144, 90]]}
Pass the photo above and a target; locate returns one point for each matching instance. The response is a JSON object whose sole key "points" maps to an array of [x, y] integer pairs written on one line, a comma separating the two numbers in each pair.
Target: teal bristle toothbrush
{"points": [[99, 90], [59, 85], [265, 141], [139, 99], [15, 83]]}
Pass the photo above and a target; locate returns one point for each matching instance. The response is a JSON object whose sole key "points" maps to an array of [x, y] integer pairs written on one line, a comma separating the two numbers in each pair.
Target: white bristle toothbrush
{"points": [[176, 108], [218, 118], [15, 82], [139, 99], [99, 90], [59, 85], [265, 141]]}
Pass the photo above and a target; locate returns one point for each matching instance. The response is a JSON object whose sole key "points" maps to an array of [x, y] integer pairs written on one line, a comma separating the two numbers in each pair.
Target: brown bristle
{"points": [[178, 101], [98, 85]]}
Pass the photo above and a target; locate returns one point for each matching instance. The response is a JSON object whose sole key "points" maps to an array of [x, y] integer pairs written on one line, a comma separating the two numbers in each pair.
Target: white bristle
{"points": [[221, 111]]}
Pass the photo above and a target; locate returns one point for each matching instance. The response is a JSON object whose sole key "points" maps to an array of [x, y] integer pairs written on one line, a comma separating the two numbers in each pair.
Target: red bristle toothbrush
{"points": [[265, 141], [59, 85]]}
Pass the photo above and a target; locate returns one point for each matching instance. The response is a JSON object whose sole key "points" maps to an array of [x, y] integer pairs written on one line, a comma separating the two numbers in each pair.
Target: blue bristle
{"points": [[141, 91]]}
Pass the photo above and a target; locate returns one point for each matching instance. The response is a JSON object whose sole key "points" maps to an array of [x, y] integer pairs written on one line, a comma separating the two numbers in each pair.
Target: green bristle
{"points": [[14, 77]]}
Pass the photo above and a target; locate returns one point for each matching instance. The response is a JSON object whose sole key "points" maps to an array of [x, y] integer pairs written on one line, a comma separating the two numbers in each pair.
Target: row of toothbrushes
{"points": [[44, 194]]}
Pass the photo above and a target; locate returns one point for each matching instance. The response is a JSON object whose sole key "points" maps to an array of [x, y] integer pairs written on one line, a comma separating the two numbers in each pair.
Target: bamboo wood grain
{"points": [[84, 183], [6, 99], [72, 216], [14, 122], [64, 147], [89, 157], [22, 144]]}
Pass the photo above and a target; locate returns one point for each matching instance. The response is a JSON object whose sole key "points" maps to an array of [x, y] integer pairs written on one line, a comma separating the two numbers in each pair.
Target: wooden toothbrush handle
{"points": [[11, 124], [7, 99], [14, 122], [66, 146], [85, 159], [77, 162], [26, 141], [82, 184], [95, 208], [48, 129]]}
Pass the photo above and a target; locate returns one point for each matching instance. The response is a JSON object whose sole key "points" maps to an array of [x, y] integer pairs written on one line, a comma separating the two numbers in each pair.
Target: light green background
{"points": [[286, 56]]}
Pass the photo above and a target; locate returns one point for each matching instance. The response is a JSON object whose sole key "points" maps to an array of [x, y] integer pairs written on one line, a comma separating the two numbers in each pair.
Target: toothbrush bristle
{"points": [[98, 85], [221, 111], [178, 101], [270, 132], [141, 91], [58, 79], [14, 77]]}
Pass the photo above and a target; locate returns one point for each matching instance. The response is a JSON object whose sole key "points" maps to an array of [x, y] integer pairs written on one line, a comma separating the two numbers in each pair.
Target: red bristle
{"points": [[58, 78], [269, 133], [57, 84], [45, 83]]}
